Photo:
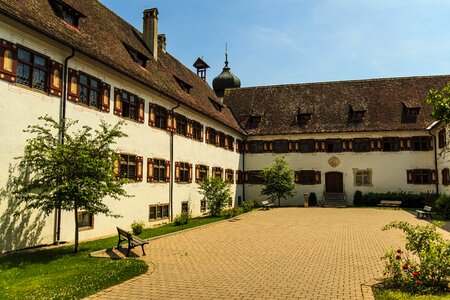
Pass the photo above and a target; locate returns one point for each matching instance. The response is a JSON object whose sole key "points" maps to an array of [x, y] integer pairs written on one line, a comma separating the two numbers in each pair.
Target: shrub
{"points": [[249, 205], [428, 268], [229, 213], [408, 199], [137, 227], [443, 205], [312, 199], [182, 219], [358, 199]]}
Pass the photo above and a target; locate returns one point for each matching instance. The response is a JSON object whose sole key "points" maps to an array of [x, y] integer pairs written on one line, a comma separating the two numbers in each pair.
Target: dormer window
{"points": [[138, 57], [409, 114], [67, 13], [216, 105], [183, 85], [253, 122], [356, 116], [303, 118]]}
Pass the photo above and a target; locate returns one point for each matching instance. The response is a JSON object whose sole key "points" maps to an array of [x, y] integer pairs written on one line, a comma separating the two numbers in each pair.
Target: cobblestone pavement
{"points": [[288, 253]]}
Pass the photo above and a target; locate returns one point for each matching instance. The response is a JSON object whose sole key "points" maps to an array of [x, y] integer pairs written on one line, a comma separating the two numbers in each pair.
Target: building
{"points": [[77, 59]]}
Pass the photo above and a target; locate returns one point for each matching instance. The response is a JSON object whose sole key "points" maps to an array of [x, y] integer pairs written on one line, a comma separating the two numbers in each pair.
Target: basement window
{"points": [[183, 85]]}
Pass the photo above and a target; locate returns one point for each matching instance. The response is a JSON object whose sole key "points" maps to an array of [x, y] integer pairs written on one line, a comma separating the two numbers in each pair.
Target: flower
{"points": [[399, 251], [419, 281], [398, 257], [405, 267], [415, 274]]}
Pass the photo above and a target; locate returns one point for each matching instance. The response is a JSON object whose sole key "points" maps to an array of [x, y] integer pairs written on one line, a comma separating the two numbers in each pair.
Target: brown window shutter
{"points": [[141, 110], [207, 135], [246, 177], [197, 173], [117, 102], [434, 178], [189, 128], [297, 176], [150, 170], [445, 176], [105, 96], [217, 141], [73, 85], [177, 172], [56, 78], [168, 170], [8, 61], [430, 143], [317, 145], [266, 147], [246, 147], [270, 146], [226, 142], [190, 173], [116, 167], [344, 145], [291, 146], [174, 122], [350, 145], [373, 144], [139, 168], [402, 144], [409, 176], [169, 123], [151, 114], [318, 177], [238, 177], [202, 129], [408, 143]]}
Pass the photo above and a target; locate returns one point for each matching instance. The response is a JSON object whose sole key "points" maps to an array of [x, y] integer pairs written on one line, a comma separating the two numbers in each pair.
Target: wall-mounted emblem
{"points": [[334, 161]]}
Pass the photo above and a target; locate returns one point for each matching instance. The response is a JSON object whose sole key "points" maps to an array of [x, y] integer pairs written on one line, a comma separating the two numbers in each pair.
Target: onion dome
{"points": [[225, 80]]}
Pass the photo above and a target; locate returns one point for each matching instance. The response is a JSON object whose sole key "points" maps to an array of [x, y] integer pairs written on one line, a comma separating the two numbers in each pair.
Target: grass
{"points": [[58, 273], [381, 294]]}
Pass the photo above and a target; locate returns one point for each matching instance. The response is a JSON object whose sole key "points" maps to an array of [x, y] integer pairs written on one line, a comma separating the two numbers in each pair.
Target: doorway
{"points": [[334, 182]]}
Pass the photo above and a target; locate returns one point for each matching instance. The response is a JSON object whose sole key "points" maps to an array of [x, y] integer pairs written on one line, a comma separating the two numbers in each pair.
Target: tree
{"points": [[216, 193], [278, 180], [440, 100], [77, 174]]}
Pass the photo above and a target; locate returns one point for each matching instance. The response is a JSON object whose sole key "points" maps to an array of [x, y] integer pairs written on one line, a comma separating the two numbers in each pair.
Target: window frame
{"points": [[161, 210], [32, 66], [392, 141], [442, 138], [256, 146], [280, 146], [197, 129], [159, 165], [127, 163], [422, 141], [90, 89], [359, 176], [307, 142], [182, 123], [90, 224], [336, 145], [358, 142], [161, 116], [184, 172], [185, 207], [203, 171], [127, 100]]}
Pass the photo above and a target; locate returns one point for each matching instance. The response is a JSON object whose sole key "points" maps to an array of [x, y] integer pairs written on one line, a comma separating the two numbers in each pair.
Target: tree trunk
{"points": [[76, 227]]}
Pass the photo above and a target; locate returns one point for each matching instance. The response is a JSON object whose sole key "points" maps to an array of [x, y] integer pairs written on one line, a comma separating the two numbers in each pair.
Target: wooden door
{"points": [[334, 182]]}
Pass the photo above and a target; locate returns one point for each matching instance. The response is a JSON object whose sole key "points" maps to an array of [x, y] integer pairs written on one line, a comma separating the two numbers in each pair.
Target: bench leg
{"points": [[143, 251]]}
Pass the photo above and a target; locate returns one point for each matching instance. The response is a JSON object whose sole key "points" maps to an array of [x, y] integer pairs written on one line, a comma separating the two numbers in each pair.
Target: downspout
{"points": [[57, 235], [435, 161], [243, 169], [172, 168]]}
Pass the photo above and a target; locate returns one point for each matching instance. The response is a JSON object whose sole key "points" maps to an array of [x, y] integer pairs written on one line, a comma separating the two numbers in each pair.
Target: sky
{"points": [[295, 41]]}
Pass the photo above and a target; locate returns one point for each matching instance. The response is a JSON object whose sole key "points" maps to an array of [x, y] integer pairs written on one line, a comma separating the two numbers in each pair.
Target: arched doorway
{"points": [[334, 182]]}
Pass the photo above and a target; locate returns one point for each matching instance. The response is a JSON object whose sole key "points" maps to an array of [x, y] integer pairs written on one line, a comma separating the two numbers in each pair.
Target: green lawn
{"points": [[60, 274], [397, 295]]}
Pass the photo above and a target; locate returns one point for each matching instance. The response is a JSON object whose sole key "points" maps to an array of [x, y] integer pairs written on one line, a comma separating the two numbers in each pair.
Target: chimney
{"points": [[151, 30], [162, 42]]}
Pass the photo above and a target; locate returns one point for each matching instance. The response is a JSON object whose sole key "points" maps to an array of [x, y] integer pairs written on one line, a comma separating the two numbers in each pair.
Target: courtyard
{"points": [[288, 253]]}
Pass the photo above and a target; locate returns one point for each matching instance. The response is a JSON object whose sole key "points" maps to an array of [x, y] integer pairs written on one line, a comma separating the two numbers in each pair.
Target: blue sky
{"points": [[294, 41]]}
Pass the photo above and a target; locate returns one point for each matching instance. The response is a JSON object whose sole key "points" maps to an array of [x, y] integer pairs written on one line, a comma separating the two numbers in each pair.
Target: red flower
{"points": [[398, 257], [405, 267], [419, 281], [399, 251], [415, 273]]}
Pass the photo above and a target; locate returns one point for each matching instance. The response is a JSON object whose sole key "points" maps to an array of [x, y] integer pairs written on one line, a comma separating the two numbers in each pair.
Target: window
{"points": [[239, 177], [281, 146], [159, 170], [390, 144], [306, 146], [303, 118], [442, 137], [129, 105], [307, 177], [67, 13], [362, 177], [197, 131], [185, 207], [202, 205], [221, 139], [210, 135], [89, 90], [253, 177], [256, 146], [181, 125], [217, 172], [138, 57], [253, 122], [201, 173], [361, 145], [421, 143], [128, 166], [183, 85], [216, 105], [32, 70], [421, 176], [409, 114], [157, 212], [445, 176], [239, 146], [85, 219], [184, 172], [355, 116], [333, 145], [229, 175], [160, 117]]}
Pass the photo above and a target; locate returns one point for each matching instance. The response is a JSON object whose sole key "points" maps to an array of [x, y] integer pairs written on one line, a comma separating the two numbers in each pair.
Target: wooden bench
{"points": [[133, 241], [425, 212], [389, 203], [266, 205]]}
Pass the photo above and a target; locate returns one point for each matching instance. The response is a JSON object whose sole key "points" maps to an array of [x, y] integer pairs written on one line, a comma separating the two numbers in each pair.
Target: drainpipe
{"points": [[243, 169], [57, 233], [172, 167], [435, 161]]}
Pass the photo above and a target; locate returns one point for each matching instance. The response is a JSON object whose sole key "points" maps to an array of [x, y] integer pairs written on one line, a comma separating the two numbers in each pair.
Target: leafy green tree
{"points": [[278, 181], [72, 176], [440, 100], [216, 193]]}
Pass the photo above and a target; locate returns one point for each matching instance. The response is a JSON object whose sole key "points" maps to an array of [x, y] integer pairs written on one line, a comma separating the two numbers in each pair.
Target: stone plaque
{"points": [[334, 161]]}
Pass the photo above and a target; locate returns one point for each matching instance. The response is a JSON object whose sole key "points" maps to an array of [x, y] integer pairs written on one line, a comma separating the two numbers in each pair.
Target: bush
{"points": [[182, 219], [229, 213], [216, 193], [249, 205], [427, 269], [443, 205], [358, 199], [312, 199], [137, 227], [408, 199]]}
